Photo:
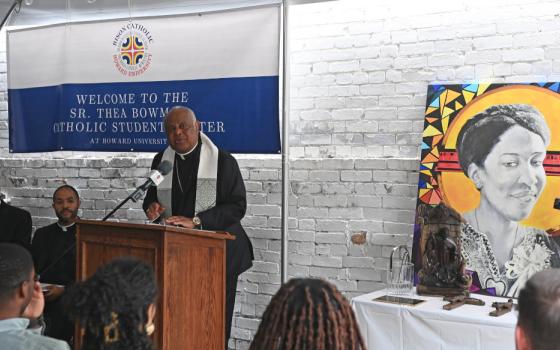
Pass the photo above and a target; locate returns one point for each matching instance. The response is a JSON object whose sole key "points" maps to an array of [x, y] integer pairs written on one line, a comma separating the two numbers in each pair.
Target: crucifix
{"points": [[459, 300]]}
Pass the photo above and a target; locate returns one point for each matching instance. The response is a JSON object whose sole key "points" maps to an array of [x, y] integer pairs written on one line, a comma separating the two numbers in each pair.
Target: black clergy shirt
{"points": [[185, 171], [49, 244]]}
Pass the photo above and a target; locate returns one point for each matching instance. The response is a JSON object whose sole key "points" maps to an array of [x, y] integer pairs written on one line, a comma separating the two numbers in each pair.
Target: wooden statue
{"points": [[442, 271]]}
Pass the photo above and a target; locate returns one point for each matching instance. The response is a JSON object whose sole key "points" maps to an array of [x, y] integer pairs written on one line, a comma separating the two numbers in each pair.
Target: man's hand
{"points": [[180, 221], [53, 292], [154, 211], [35, 307]]}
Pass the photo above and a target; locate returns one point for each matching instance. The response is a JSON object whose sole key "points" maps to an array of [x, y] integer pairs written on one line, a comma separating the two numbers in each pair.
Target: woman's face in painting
{"points": [[513, 176]]}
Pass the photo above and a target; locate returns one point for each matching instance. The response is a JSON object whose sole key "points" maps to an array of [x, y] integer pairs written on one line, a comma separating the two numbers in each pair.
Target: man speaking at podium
{"points": [[204, 190]]}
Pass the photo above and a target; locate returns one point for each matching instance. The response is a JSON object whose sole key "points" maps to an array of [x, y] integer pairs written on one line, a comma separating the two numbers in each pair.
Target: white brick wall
{"points": [[359, 75]]}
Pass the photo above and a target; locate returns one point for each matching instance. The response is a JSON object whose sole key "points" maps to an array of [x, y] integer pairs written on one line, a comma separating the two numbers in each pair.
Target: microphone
{"points": [[154, 179], [156, 176]]}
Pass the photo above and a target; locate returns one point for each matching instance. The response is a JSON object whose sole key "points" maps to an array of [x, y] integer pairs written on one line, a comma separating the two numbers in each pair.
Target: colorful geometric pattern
{"points": [[132, 50], [443, 104]]}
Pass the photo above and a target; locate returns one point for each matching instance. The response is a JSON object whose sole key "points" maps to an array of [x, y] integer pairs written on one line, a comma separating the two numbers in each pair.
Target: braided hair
{"points": [[308, 314], [112, 305]]}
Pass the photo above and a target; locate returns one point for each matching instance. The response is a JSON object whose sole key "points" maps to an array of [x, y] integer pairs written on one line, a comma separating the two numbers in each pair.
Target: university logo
{"points": [[132, 56]]}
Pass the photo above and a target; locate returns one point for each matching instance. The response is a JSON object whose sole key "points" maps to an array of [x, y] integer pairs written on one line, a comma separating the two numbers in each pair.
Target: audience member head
{"points": [[115, 307], [66, 203], [538, 323], [17, 280], [308, 314], [181, 128]]}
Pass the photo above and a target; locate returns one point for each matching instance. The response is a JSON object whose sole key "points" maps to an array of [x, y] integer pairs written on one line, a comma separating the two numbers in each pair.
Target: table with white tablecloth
{"points": [[387, 326]]}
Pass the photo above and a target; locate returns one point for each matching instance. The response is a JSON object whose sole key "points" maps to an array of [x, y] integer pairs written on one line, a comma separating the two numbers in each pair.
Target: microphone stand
{"points": [[73, 245], [135, 196]]}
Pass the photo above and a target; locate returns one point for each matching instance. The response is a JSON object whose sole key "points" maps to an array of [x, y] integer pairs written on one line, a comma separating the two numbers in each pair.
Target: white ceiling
{"points": [[45, 12]]}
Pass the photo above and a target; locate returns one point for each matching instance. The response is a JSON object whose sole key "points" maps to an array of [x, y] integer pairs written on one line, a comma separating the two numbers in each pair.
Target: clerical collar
{"points": [[65, 228], [183, 155]]}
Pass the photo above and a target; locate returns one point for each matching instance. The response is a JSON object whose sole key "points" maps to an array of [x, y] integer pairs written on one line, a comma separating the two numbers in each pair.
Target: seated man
{"points": [[54, 253], [21, 303], [539, 312], [15, 225]]}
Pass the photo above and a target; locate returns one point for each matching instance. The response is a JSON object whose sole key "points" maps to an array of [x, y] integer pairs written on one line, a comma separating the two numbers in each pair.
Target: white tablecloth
{"points": [[387, 326]]}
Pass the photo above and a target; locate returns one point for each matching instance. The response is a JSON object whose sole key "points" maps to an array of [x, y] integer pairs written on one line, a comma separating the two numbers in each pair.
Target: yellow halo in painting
{"points": [[459, 192]]}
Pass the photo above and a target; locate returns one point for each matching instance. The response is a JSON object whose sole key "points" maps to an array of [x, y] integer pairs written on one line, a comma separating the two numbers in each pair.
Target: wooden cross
{"points": [[459, 300], [501, 308]]}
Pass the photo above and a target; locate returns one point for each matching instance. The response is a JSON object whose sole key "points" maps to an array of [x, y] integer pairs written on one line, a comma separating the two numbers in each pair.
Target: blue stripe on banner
{"points": [[239, 114]]}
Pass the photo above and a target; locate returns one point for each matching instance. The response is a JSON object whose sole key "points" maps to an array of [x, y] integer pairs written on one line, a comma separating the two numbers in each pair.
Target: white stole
{"points": [[206, 178]]}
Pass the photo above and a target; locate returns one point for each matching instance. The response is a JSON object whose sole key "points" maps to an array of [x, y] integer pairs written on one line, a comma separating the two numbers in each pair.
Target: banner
{"points": [[106, 86]]}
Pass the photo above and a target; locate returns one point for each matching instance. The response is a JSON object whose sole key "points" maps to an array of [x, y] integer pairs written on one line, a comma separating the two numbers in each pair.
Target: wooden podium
{"points": [[189, 267]]}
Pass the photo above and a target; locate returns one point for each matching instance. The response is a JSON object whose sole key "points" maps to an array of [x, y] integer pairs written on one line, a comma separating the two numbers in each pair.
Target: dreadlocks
{"points": [[111, 306], [308, 314]]}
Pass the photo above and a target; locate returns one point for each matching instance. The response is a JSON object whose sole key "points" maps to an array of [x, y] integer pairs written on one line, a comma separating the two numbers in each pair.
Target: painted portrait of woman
{"points": [[502, 150]]}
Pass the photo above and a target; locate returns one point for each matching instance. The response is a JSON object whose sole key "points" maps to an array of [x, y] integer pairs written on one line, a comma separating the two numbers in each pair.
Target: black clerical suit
{"points": [[52, 243], [226, 216], [15, 225]]}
